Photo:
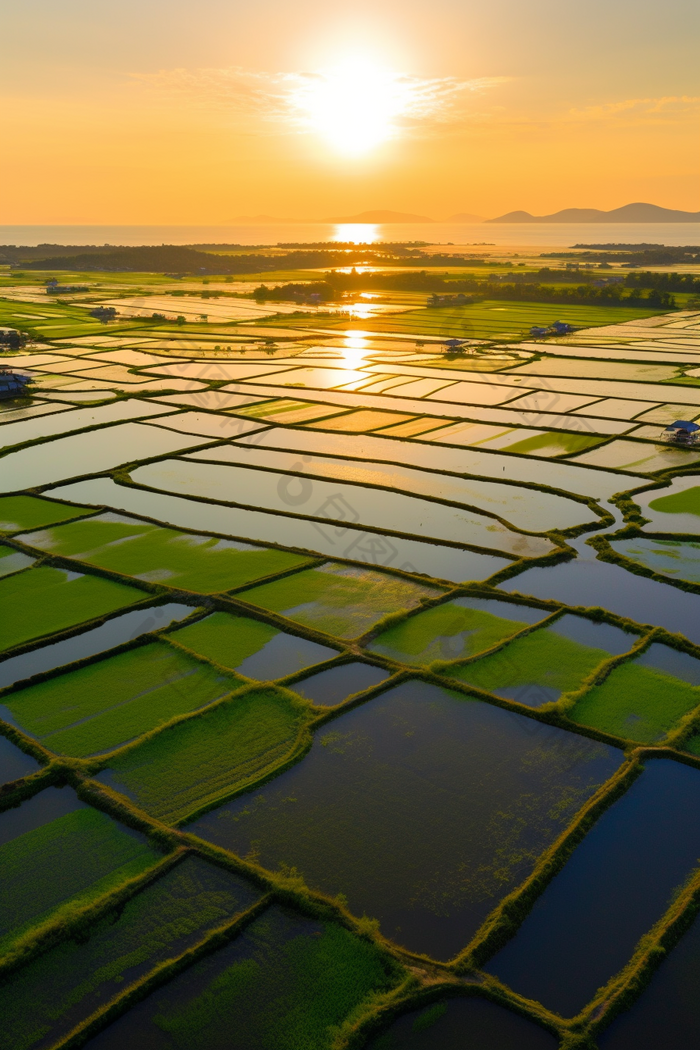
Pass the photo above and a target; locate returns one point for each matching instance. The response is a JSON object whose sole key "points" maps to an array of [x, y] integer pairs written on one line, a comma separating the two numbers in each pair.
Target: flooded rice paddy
{"points": [[251, 583], [422, 807], [616, 885], [457, 1023]]}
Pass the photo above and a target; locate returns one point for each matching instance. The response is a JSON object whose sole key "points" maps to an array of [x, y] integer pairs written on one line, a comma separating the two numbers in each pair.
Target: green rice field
{"points": [[77, 977], [55, 869], [158, 555], [463, 627], [98, 707], [337, 600], [201, 759], [45, 600]]}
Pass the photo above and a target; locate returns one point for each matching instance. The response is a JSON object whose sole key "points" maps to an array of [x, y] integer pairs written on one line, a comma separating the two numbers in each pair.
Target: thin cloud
{"points": [[637, 110], [282, 98]]}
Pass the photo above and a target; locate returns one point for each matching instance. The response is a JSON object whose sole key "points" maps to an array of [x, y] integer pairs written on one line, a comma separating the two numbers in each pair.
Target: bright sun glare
{"points": [[354, 105]]}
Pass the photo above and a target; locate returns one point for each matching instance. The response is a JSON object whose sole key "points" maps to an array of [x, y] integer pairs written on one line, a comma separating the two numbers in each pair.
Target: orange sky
{"points": [[169, 112]]}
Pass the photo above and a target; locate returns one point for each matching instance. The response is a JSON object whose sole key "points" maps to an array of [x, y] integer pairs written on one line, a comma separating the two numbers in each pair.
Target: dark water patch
{"points": [[14, 763], [114, 632], [668, 1013], [282, 655], [597, 583], [46, 999], [48, 805], [594, 635], [422, 807], [619, 881], [532, 694], [281, 985], [460, 1024], [671, 661], [337, 683]]}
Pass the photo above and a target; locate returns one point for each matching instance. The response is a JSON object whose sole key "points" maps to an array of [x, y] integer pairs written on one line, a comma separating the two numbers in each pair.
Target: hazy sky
{"points": [[166, 111]]}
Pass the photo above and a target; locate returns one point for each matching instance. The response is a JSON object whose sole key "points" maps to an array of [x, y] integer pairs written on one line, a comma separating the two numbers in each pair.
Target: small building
{"points": [[682, 432], [13, 384], [538, 332], [562, 328]]}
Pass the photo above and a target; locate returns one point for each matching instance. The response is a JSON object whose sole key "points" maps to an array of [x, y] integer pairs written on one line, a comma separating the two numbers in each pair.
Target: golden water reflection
{"points": [[356, 348], [357, 232]]}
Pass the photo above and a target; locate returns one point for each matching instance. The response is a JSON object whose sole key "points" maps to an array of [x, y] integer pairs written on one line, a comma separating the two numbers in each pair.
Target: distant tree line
{"points": [[610, 295], [661, 256], [174, 259], [321, 291], [667, 282], [336, 284]]}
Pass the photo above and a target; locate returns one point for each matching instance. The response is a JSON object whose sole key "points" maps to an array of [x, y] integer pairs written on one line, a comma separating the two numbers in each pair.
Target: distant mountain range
{"points": [[465, 216], [257, 220], [629, 213], [382, 215]]}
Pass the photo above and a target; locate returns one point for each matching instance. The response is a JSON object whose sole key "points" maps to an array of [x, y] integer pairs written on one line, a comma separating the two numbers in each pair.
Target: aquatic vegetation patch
{"points": [[669, 557], [63, 987], [104, 704], [44, 600], [30, 512], [65, 863], [421, 806], [537, 668], [555, 444], [640, 700], [160, 555], [254, 648], [463, 627], [192, 764], [286, 983], [687, 501], [339, 599]]}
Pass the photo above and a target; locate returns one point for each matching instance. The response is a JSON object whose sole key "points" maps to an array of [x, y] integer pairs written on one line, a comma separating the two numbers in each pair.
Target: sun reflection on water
{"points": [[356, 232], [355, 349]]}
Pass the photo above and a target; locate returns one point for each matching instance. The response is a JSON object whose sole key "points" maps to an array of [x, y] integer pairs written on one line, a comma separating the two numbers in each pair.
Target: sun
{"points": [[353, 105]]}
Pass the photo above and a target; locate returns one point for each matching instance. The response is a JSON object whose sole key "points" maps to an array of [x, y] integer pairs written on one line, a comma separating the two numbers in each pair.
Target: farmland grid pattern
{"points": [[291, 501]]}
